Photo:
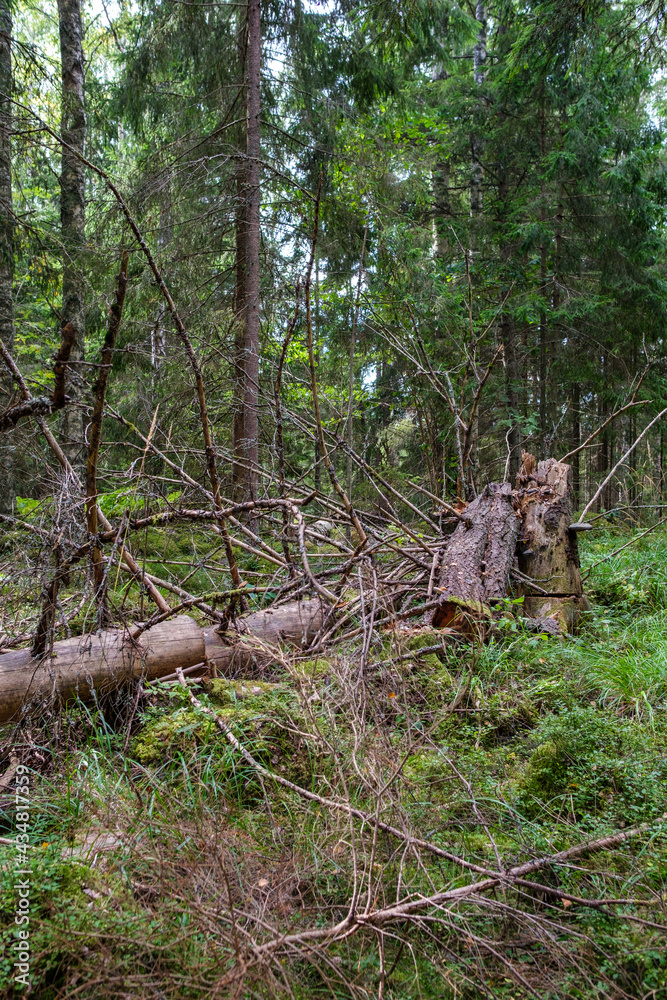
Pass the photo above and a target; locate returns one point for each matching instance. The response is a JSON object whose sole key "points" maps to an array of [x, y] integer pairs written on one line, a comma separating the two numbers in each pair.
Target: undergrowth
{"points": [[163, 862]]}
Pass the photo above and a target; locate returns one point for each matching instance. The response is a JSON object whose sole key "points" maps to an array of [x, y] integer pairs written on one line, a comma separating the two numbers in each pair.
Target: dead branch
{"points": [[592, 437], [39, 406], [620, 462]]}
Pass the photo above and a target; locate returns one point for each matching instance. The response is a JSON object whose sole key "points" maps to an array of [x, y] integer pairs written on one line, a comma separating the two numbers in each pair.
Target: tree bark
{"points": [[240, 226], [478, 557], [72, 215], [99, 389], [238, 422], [576, 441], [7, 485], [508, 337], [526, 534], [252, 252]]}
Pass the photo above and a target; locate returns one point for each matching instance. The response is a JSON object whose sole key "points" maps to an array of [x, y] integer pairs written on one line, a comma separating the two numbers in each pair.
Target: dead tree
{"points": [[72, 210], [548, 575], [84, 667], [518, 542], [478, 558]]}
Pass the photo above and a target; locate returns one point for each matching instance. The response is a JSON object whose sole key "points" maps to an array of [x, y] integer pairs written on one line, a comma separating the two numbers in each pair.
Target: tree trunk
{"points": [[81, 667], [252, 252], [526, 533], [7, 488], [575, 442], [476, 144], [95, 663], [238, 422], [548, 551], [478, 558], [72, 215]]}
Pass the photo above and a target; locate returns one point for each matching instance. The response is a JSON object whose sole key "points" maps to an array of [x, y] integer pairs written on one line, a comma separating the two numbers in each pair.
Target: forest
{"points": [[333, 514]]}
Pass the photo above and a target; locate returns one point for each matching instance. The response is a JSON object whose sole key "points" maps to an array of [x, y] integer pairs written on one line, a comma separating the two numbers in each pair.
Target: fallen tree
{"points": [[519, 542], [92, 665]]}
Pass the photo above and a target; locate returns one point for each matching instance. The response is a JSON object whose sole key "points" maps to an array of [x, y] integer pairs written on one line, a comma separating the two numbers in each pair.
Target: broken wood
{"points": [[527, 534], [549, 576], [477, 559]]}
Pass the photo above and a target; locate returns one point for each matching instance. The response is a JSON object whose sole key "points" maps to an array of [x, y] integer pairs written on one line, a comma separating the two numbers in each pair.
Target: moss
{"points": [[225, 692], [424, 639], [545, 771], [164, 734], [597, 762], [311, 669], [508, 722], [265, 717], [427, 769]]}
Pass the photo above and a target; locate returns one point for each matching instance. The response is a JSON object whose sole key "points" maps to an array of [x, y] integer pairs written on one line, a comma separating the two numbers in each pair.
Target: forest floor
{"points": [[164, 865]]}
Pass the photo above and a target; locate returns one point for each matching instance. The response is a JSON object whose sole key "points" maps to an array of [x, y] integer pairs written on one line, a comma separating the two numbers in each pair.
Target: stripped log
{"points": [[92, 665], [293, 624]]}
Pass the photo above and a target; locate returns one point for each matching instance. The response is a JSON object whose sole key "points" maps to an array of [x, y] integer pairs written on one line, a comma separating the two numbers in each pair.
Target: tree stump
{"points": [[477, 560], [547, 552], [525, 535]]}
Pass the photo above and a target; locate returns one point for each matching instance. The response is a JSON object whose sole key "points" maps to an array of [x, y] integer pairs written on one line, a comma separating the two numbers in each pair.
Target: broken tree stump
{"points": [[549, 577], [477, 560], [520, 542]]}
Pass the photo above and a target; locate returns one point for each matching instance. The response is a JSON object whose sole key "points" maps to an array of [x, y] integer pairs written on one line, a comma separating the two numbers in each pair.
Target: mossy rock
{"points": [[265, 717]]}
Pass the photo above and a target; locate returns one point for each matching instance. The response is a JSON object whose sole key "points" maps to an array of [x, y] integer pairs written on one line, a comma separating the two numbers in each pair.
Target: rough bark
{"points": [[252, 252], [526, 535], [238, 422], [478, 557], [72, 214], [240, 226], [7, 486], [512, 381]]}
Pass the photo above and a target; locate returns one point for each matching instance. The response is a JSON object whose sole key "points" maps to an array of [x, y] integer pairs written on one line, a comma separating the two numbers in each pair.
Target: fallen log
{"points": [[293, 624], [92, 665]]}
